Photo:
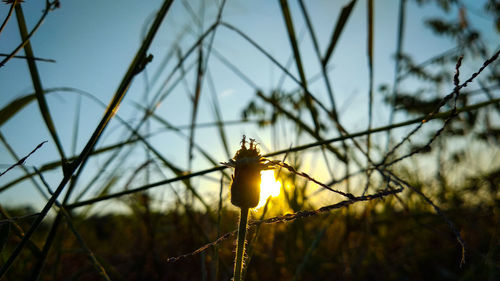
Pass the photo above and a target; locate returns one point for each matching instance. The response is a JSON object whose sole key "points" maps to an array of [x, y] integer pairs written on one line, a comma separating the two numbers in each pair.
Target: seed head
{"points": [[245, 184]]}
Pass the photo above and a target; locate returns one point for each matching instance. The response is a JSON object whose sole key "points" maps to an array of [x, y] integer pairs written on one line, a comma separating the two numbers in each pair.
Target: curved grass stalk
{"points": [[134, 67]]}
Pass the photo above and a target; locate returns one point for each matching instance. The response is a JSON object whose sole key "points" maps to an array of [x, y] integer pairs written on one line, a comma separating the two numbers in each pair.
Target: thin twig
{"points": [[48, 7], [25, 57], [22, 160], [8, 15]]}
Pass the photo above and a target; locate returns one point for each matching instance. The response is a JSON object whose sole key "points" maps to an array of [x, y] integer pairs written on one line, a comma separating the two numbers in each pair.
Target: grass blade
{"points": [[37, 83], [271, 58], [339, 27], [14, 106], [179, 132], [99, 268], [11, 109], [318, 54], [218, 116], [111, 110], [158, 96], [370, 70], [195, 100], [176, 170], [300, 124], [75, 125], [324, 71], [55, 164], [298, 61], [397, 66], [18, 231]]}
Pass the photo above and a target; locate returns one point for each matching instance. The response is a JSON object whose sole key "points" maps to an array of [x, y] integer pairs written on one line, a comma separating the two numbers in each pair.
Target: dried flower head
{"points": [[247, 164]]}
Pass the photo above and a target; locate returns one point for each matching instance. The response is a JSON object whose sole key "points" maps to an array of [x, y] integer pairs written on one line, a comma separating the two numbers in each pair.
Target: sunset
{"points": [[249, 140], [269, 187]]}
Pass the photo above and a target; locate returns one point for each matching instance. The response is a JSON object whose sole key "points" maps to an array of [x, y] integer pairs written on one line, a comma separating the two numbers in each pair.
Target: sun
{"points": [[268, 187]]}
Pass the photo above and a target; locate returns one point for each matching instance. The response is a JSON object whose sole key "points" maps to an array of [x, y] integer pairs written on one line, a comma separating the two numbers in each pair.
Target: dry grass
{"points": [[389, 202]]}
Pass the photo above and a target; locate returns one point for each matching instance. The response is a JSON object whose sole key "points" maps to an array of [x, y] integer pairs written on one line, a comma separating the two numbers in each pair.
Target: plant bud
{"points": [[245, 185]]}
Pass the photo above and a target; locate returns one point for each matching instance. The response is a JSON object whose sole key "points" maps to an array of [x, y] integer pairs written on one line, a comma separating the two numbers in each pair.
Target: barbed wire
{"points": [[309, 178], [351, 198], [452, 226], [291, 217], [454, 93], [22, 160]]}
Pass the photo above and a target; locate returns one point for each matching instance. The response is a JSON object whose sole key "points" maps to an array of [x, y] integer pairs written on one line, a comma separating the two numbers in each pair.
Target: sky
{"points": [[93, 43]]}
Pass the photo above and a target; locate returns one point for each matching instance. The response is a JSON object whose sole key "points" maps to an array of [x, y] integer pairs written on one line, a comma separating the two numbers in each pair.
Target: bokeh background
{"points": [[224, 69]]}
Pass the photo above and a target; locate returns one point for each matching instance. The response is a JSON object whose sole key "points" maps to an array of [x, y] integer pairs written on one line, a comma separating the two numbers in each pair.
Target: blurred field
{"points": [[384, 133]]}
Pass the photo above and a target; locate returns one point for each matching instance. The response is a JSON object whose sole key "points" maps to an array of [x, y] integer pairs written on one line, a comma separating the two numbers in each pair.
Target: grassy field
{"points": [[393, 177]]}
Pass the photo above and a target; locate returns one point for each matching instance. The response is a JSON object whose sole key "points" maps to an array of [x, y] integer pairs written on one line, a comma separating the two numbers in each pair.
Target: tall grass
{"points": [[353, 206]]}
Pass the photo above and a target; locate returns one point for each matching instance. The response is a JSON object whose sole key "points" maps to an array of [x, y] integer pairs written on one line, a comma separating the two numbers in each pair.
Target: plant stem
{"points": [[240, 248], [89, 147]]}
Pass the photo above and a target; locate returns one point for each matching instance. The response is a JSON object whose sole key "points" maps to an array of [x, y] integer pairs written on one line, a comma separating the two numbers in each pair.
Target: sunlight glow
{"points": [[268, 187]]}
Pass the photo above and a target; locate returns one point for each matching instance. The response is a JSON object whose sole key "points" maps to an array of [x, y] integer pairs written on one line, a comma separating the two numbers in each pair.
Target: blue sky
{"points": [[93, 42]]}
